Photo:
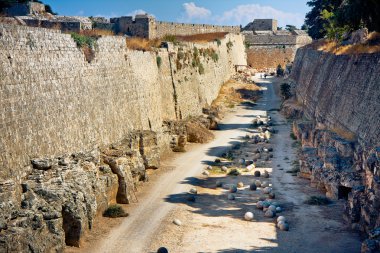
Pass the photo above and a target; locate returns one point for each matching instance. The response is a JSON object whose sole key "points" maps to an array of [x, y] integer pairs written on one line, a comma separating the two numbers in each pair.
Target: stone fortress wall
{"points": [[146, 26], [340, 131], [269, 47], [60, 114]]}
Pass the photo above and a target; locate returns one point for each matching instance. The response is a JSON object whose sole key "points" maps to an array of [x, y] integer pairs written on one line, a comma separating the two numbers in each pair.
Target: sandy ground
{"points": [[215, 224]]}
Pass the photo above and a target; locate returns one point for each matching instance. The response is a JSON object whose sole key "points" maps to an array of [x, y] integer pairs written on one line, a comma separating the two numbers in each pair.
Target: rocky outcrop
{"points": [[76, 136], [339, 132]]}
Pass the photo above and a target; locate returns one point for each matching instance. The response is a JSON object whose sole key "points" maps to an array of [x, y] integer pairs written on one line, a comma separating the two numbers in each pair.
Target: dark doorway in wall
{"points": [[343, 192], [72, 227]]}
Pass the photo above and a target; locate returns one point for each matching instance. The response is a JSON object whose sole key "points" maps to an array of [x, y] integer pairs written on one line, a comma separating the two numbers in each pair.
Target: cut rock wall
{"points": [[76, 136], [340, 132]]}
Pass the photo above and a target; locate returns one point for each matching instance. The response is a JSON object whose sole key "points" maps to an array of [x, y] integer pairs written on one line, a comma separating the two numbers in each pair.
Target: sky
{"points": [[221, 12]]}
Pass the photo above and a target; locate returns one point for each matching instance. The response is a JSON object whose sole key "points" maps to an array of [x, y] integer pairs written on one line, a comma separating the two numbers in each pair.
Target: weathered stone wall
{"points": [[164, 28], [269, 57], [340, 97], [76, 135]]}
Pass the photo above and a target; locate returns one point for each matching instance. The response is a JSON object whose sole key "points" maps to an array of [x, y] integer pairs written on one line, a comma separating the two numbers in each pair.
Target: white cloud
{"points": [[136, 12], [243, 14], [194, 12]]}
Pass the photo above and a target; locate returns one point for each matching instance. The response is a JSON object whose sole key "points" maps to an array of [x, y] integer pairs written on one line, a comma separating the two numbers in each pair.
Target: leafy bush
{"points": [[115, 211], [318, 200], [201, 69], [215, 57], [280, 71], [159, 61], [229, 45], [218, 42], [234, 172], [285, 91], [83, 40], [170, 38]]}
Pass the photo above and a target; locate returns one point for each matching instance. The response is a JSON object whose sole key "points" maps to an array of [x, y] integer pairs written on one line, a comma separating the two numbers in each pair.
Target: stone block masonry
{"points": [[76, 136], [340, 97]]}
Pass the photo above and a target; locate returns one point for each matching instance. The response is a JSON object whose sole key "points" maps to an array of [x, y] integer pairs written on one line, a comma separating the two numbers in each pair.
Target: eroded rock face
{"points": [[59, 198]]}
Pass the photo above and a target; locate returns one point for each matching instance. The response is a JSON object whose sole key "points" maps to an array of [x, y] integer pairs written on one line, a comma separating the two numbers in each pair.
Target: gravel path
{"points": [[214, 224]]}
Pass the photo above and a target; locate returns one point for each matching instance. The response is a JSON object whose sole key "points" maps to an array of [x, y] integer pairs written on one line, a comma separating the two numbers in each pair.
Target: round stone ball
{"points": [[281, 218], [206, 173], [259, 205], [209, 167], [257, 173], [266, 204], [278, 209], [269, 214], [224, 169], [266, 174], [279, 223], [267, 190], [264, 184], [272, 208], [231, 197], [252, 187], [248, 216], [233, 189], [219, 183], [242, 161], [271, 195], [240, 185], [258, 183], [284, 226], [193, 191], [162, 250]]}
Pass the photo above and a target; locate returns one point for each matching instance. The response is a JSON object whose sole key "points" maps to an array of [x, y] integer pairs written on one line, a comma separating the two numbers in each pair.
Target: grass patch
{"points": [[318, 201], [115, 211], [142, 44]]}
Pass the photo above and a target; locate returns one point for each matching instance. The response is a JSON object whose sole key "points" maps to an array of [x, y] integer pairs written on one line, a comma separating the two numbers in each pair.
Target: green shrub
{"points": [[196, 52], [280, 71], [218, 42], [159, 61], [115, 211], [293, 136], [234, 172], [83, 40], [170, 38], [215, 57], [229, 45], [180, 55], [201, 69], [318, 200], [285, 91]]}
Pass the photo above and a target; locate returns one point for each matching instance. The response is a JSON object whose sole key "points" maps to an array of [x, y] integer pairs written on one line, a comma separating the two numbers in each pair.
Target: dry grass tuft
{"points": [[142, 44], [202, 38], [233, 92], [370, 47]]}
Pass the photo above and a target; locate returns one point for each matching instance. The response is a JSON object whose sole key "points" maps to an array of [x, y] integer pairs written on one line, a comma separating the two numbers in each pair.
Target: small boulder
{"points": [[284, 226], [177, 222], [209, 167], [193, 191], [162, 250], [224, 169], [266, 174], [266, 204], [206, 173], [272, 195], [259, 205], [240, 185], [233, 189], [231, 197], [281, 218], [257, 173], [272, 208], [269, 213], [248, 216], [264, 184], [278, 209], [242, 161], [252, 187], [267, 190], [258, 183]]}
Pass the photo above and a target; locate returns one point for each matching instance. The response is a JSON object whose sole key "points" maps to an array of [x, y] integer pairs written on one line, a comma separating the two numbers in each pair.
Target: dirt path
{"points": [[214, 224]]}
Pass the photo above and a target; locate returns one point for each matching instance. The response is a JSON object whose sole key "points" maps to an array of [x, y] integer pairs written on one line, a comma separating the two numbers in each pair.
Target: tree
{"points": [[314, 20], [291, 28], [304, 27]]}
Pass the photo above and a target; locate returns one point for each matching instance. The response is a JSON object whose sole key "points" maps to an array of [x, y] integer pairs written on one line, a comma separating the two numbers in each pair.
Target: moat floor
{"points": [[215, 224]]}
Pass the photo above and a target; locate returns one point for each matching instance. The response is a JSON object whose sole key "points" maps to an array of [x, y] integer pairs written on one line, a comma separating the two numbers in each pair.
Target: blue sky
{"points": [[226, 12]]}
